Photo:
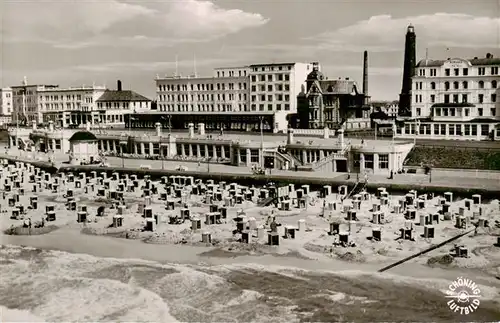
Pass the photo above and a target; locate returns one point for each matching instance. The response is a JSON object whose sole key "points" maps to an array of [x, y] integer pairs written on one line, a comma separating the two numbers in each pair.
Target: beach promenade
{"points": [[470, 179]]}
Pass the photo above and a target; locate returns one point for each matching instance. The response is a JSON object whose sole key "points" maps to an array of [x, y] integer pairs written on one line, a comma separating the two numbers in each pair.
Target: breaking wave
{"points": [[45, 285]]}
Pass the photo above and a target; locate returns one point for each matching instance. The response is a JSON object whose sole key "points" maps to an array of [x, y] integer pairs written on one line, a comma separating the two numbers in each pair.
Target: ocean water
{"points": [[45, 285]]}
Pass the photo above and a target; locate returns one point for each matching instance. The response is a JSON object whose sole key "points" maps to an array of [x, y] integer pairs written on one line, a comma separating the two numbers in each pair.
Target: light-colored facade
{"points": [[25, 103], [6, 106], [275, 87], [314, 153], [455, 99], [227, 92], [72, 106]]}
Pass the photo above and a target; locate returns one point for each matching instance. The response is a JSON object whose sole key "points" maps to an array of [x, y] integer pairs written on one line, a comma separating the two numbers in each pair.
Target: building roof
{"points": [[83, 136], [474, 61], [337, 87], [124, 96]]}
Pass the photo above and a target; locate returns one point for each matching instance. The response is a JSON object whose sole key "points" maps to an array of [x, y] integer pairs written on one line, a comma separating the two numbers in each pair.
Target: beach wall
{"points": [[315, 183]]}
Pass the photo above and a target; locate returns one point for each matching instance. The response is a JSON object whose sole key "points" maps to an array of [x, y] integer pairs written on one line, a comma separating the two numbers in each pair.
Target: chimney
{"points": [[119, 85], [489, 55], [365, 73]]}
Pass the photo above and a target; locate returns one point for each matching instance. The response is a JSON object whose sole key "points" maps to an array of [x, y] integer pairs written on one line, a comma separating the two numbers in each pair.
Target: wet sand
{"points": [[71, 240]]}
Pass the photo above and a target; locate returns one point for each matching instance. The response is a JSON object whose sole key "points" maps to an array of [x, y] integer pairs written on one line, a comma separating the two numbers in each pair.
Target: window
{"points": [[443, 130], [438, 112], [456, 71], [494, 84], [493, 97], [447, 72], [480, 111], [465, 71], [270, 107], [451, 129], [485, 131], [369, 161], [467, 130], [446, 86], [446, 98], [433, 86], [418, 111], [464, 98], [481, 71], [433, 72], [465, 85], [270, 78], [433, 98], [481, 98], [458, 129], [254, 155], [494, 70], [474, 129], [481, 84], [467, 112], [383, 161], [455, 85], [436, 129], [455, 98], [243, 155], [493, 112]]}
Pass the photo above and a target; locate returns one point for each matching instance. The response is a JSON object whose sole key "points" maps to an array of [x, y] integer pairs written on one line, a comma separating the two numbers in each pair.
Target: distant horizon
{"points": [[101, 42]]}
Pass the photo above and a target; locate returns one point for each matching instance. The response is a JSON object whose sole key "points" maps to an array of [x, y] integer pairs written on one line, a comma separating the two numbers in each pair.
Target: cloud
{"points": [[385, 33], [81, 24], [154, 67]]}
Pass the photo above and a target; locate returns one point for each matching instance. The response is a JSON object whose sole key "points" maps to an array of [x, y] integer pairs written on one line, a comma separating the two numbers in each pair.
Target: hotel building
{"points": [[96, 105], [455, 99], [234, 98], [6, 106], [26, 107]]}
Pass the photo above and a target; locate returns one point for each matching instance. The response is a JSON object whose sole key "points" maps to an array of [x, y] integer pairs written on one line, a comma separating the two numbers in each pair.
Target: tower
{"points": [[365, 73], [365, 76], [408, 72]]}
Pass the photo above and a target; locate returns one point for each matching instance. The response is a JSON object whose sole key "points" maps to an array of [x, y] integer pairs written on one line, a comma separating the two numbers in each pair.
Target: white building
{"points": [[275, 87], [72, 106], [226, 92], [114, 105], [455, 99], [6, 105], [26, 108], [235, 98]]}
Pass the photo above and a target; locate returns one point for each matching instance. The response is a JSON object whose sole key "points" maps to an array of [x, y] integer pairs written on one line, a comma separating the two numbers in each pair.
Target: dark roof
{"points": [[83, 136], [315, 75], [127, 96], [473, 61]]}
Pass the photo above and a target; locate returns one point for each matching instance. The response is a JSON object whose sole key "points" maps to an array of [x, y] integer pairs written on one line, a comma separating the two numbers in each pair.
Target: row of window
{"points": [[231, 73], [270, 98], [453, 129], [273, 68], [455, 98], [270, 107], [202, 107], [456, 71], [201, 97], [201, 87], [456, 85], [271, 88], [271, 78]]}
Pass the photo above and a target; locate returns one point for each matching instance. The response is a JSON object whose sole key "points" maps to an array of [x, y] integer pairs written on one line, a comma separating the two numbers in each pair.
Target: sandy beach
{"points": [[312, 249]]}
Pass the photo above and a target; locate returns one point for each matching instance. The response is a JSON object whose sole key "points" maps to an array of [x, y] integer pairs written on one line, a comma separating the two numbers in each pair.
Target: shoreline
{"points": [[72, 241]]}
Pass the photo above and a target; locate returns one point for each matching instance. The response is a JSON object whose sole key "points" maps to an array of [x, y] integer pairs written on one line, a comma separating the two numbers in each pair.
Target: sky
{"points": [[85, 42]]}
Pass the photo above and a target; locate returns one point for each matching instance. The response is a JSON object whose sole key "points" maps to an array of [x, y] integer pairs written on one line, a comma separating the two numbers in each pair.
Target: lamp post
{"points": [[261, 119], [417, 129]]}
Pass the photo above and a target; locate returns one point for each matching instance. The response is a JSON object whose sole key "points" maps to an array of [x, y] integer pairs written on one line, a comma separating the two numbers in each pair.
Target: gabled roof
{"points": [[123, 96], [337, 87]]}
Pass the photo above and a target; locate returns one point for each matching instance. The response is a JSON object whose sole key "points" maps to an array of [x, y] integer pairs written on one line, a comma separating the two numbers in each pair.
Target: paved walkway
{"points": [[461, 179]]}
